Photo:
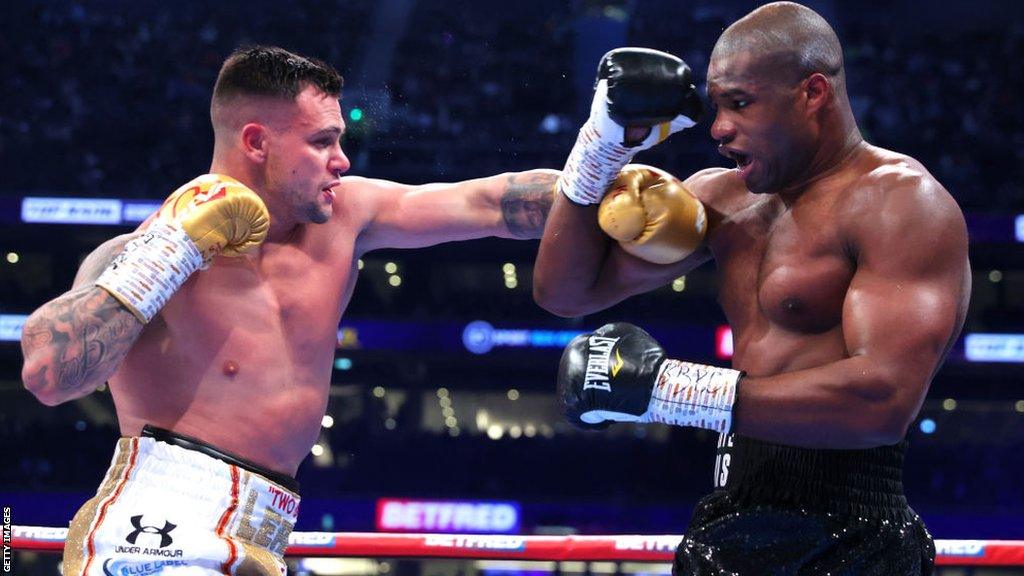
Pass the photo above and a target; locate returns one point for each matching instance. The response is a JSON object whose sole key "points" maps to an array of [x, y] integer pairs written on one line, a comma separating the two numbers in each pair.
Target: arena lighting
{"points": [[928, 426], [95, 211], [355, 114], [10, 327], [723, 342], [980, 347], [1018, 226], [480, 337]]}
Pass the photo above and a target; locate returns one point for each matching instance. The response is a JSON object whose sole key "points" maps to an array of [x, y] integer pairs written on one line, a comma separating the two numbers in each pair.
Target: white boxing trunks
{"points": [[165, 509]]}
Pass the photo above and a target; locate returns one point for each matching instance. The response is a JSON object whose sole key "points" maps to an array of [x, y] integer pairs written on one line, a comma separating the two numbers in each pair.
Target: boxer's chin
{"points": [[320, 213]]}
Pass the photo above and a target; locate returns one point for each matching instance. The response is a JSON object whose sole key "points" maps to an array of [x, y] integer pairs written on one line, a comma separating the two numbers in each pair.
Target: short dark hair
{"points": [[273, 72]]}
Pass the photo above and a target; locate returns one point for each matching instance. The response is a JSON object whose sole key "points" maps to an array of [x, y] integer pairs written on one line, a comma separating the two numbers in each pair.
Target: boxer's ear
{"points": [[254, 142], [816, 91]]}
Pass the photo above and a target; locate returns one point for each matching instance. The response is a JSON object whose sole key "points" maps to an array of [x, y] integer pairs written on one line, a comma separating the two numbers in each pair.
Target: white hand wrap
{"points": [[600, 151], [151, 269], [687, 394]]}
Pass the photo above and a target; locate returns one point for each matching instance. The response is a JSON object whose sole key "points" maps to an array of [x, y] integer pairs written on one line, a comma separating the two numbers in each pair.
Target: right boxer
{"points": [[845, 280]]}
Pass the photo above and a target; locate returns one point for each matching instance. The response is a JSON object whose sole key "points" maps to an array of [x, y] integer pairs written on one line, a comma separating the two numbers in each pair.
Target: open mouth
{"points": [[329, 189], [328, 194], [742, 160]]}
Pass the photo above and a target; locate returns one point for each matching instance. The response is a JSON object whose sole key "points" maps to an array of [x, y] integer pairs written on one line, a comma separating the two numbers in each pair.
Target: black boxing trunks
{"points": [[171, 504], [780, 510]]}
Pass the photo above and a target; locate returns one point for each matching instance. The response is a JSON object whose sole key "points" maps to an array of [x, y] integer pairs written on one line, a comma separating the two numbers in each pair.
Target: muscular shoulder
{"points": [[896, 200], [715, 185], [368, 192], [371, 185], [358, 199], [897, 186], [722, 192]]}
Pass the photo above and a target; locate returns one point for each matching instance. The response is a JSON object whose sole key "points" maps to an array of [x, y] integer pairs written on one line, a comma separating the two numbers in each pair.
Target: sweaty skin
{"points": [[843, 303], [273, 313], [844, 268], [276, 315]]}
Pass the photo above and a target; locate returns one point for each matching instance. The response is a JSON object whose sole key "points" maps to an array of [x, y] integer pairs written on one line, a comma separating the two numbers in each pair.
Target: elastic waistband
{"points": [[196, 445], [866, 482]]}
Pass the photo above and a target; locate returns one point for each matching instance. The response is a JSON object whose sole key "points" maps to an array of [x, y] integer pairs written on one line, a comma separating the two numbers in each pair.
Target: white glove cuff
{"points": [[593, 165], [150, 270], [687, 394]]}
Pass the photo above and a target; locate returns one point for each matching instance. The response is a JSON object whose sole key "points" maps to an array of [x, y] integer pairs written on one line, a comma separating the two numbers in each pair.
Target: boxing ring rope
{"points": [[626, 548]]}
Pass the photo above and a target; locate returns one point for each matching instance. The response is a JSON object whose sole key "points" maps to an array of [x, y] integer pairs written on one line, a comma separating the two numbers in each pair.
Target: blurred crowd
{"points": [[112, 98]]}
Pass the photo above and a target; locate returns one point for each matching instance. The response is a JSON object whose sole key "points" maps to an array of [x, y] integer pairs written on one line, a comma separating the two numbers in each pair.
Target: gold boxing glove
{"points": [[220, 215], [652, 215], [213, 214]]}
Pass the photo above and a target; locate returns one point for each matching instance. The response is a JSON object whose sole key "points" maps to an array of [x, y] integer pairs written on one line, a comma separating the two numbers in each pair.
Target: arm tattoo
{"points": [[79, 339], [82, 337], [526, 202]]}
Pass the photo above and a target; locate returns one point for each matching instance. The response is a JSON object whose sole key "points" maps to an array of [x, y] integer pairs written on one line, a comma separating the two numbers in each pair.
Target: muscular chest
{"points": [[783, 267], [289, 294]]}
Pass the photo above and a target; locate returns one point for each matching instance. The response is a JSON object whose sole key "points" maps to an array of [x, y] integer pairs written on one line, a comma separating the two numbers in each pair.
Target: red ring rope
{"points": [[512, 547]]}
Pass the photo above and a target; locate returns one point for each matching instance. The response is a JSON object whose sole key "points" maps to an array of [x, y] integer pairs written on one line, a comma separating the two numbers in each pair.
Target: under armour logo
{"points": [[165, 532]]}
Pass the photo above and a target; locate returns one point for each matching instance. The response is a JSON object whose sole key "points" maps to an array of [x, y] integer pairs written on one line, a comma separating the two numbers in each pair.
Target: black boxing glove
{"points": [[619, 373], [636, 87], [647, 87]]}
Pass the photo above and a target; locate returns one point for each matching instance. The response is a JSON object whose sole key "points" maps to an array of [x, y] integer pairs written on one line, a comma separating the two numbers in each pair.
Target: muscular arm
{"points": [[513, 205], [580, 270], [73, 343], [904, 309]]}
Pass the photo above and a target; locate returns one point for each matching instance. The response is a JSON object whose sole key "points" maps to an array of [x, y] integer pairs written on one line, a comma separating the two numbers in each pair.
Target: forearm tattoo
{"points": [[526, 202], [79, 339], [83, 336]]}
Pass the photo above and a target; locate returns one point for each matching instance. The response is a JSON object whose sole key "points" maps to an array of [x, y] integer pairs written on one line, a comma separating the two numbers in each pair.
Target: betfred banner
{"points": [[447, 516]]}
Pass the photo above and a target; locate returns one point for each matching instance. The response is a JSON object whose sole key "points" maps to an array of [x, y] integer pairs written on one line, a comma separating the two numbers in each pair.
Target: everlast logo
{"points": [[165, 532], [599, 364]]}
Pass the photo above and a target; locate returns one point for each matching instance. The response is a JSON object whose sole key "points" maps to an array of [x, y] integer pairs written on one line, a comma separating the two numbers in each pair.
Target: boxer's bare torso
{"points": [[786, 264], [240, 357], [843, 293]]}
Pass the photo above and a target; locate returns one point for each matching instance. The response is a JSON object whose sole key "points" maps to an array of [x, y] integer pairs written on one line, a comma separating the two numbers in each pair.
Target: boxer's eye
{"points": [[740, 104]]}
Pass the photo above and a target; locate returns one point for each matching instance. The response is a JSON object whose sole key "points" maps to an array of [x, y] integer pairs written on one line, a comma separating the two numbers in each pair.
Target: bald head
{"points": [[788, 41]]}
